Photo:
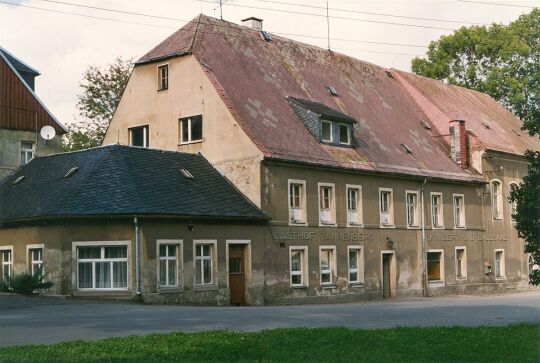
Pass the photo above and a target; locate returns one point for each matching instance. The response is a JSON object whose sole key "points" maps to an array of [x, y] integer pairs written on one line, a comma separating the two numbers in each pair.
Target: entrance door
{"points": [[237, 274], [386, 274]]}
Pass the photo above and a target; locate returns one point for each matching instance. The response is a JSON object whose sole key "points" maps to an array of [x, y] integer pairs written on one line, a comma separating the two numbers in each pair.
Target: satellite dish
{"points": [[47, 132]]}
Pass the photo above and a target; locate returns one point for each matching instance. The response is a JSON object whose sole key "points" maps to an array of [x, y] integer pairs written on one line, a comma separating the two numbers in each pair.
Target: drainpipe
{"points": [[137, 257], [424, 243]]}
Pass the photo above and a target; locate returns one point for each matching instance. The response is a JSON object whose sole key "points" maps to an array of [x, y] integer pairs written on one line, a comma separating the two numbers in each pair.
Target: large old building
{"points": [[377, 183], [22, 116]]}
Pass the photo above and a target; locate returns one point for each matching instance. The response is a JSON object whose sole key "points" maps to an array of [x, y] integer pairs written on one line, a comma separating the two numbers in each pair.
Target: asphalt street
{"points": [[38, 320]]}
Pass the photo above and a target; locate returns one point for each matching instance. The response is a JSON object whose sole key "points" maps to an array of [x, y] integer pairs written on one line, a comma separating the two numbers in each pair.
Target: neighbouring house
{"points": [[22, 115]]}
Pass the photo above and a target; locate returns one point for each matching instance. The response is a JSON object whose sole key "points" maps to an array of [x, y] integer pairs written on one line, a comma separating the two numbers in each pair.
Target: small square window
{"points": [[191, 129], [138, 136], [163, 76], [326, 131]]}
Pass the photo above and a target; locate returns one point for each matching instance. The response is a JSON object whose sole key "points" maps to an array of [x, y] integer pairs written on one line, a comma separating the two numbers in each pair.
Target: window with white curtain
{"points": [[168, 264], [204, 263], [7, 262], [102, 267], [36, 260]]}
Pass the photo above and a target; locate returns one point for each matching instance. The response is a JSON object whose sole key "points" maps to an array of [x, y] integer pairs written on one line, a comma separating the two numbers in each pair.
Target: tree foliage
{"points": [[504, 62], [102, 90]]}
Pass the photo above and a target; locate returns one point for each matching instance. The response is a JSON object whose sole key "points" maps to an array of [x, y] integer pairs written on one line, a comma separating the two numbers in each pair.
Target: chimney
{"points": [[459, 143], [253, 22]]}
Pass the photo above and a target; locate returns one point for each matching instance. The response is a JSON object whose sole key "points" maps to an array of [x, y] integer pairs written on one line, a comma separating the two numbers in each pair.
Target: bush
{"points": [[26, 283]]}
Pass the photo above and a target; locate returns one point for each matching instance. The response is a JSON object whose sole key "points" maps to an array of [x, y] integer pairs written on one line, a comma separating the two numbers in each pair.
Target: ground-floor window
{"points": [[355, 265], [102, 267], [7, 263], [35, 256], [327, 264], [168, 266], [298, 265], [461, 263], [204, 263], [499, 264], [435, 269]]}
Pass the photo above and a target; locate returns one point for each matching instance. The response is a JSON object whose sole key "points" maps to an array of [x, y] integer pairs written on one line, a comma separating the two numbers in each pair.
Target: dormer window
{"points": [[326, 131], [344, 134]]}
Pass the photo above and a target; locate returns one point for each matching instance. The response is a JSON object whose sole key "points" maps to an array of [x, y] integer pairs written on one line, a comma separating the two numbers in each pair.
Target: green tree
{"points": [[102, 90], [504, 62]]}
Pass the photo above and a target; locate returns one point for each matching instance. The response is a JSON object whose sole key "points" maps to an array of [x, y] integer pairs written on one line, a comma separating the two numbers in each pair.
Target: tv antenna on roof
{"points": [[221, 2], [328, 24]]}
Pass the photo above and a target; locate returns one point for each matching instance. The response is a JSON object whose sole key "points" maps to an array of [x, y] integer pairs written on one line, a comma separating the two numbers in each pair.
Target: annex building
{"points": [[363, 182]]}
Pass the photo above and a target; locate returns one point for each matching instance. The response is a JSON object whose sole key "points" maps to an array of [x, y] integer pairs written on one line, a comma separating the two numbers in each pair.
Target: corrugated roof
{"points": [[255, 79], [121, 180]]}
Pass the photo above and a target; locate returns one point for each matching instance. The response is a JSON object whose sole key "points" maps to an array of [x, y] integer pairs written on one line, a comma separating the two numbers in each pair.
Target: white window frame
{"points": [[348, 126], [213, 263], [332, 206], [181, 134], [101, 244], [416, 208], [360, 263], [303, 209], [332, 270], [440, 212], [10, 263], [463, 263], [179, 262], [462, 214], [390, 211], [359, 222], [441, 281], [331, 131], [502, 264], [146, 131], [512, 206], [304, 264], [26, 151], [30, 263], [497, 209], [160, 84]]}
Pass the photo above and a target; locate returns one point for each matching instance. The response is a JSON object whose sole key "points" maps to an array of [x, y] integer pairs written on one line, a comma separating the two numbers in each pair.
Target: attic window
{"points": [[406, 148], [425, 124], [18, 180], [332, 91], [486, 124], [71, 172], [186, 174], [389, 74], [265, 36]]}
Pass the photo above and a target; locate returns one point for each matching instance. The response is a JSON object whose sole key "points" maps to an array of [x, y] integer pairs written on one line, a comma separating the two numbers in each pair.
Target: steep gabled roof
{"points": [[118, 181], [18, 64], [256, 78]]}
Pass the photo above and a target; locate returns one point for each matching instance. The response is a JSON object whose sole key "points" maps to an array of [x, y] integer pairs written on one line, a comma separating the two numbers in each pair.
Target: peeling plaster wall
{"points": [[190, 93]]}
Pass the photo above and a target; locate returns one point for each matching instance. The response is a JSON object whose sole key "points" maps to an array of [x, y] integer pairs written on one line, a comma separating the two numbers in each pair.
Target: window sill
{"points": [[298, 224], [356, 284], [205, 287], [387, 226], [299, 287], [500, 279], [328, 286], [191, 142], [331, 224], [170, 290], [92, 292], [162, 89], [436, 283], [455, 227], [461, 279], [437, 227], [355, 225], [413, 227]]}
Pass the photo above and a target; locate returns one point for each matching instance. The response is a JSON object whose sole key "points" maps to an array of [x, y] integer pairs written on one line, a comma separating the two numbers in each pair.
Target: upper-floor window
{"points": [[327, 210], [326, 131], [437, 220], [138, 136], [338, 133], [191, 129], [412, 209], [163, 77], [27, 151], [459, 211], [344, 134], [386, 207], [354, 205], [513, 205], [297, 202], [496, 199]]}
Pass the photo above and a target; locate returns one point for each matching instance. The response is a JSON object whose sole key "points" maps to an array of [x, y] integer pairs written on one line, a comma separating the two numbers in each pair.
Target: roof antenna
{"points": [[328, 24], [220, 9]]}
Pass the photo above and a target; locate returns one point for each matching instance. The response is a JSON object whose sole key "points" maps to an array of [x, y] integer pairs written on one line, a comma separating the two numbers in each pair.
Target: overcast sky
{"points": [[61, 46]]}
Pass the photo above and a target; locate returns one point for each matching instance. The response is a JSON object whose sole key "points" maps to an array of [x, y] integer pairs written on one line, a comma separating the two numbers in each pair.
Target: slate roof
{"points": [[255, 78], [122, 180], [323, 110]]}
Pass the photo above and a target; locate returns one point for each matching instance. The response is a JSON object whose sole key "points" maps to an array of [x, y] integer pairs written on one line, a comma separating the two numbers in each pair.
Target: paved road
{"points": [[46, 320]]}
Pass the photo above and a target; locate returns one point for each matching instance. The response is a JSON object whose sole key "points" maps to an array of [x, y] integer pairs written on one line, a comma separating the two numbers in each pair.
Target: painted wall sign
{"points": [[344, 236], [467, 237]]}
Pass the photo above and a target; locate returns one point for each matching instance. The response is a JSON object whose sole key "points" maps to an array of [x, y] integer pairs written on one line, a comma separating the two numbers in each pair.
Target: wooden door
{"points": [[386, 275], [237, 274]]}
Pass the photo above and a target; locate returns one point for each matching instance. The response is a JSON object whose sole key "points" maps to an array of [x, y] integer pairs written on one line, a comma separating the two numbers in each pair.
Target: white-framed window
{"points": [[36, 260], [205, 261], [327, 264], [355, 264], [354, 205], [6, 259], [461, 262], [496, 200], [500, 272], [327, 204], [102, 267], [413, 212], [437, 216], [163, 77], [191, 129], [344, 134], [512, 205], [459, 211], [326, 131], [298, 265], [297, 202], [138, 136], [435, 265], [386, 207], [170, 262], [27, 151]]}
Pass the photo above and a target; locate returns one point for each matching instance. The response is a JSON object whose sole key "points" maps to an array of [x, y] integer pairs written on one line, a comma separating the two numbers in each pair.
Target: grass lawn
{"points": [[516, 343]]}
